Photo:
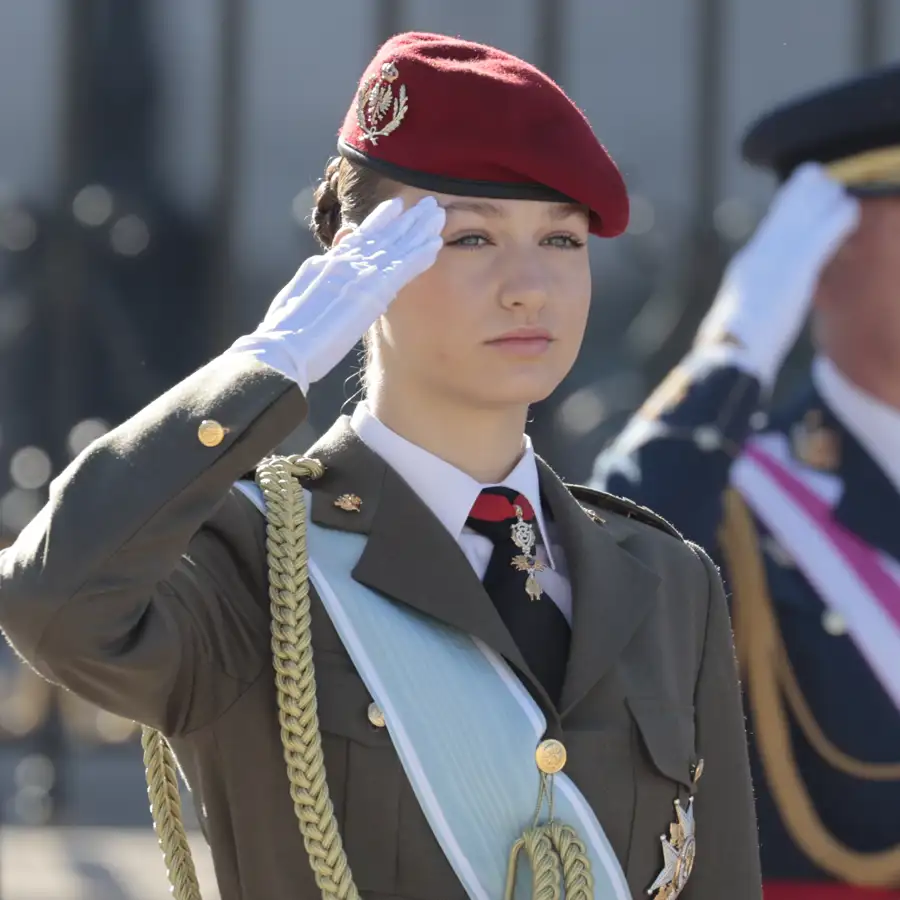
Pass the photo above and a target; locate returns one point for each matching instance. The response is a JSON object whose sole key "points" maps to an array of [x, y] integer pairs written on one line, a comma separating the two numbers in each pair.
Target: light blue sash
{"points": [[463, 725]]}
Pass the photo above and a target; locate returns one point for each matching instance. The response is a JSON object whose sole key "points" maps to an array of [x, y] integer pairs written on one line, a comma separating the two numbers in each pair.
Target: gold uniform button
{"points": [[376, 716], [550, 756], [211, 433]]}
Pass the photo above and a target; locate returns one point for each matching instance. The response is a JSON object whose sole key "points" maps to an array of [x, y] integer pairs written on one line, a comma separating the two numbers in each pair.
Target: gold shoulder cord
{"points": [[770, 682], [558, 859], [279, 480]]}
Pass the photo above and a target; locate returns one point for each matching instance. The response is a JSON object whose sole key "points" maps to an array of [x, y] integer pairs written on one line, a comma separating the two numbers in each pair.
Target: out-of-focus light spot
{"points": [[84, 434], [30, 468], [93, 205], [734, 219], [37, 771], [130, 236], [18, 508], [582, 411], [113, 729], [18, 229]]}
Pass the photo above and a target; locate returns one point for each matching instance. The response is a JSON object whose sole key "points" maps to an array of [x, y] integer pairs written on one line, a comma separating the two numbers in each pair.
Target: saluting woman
{"points": [[485, 681]]}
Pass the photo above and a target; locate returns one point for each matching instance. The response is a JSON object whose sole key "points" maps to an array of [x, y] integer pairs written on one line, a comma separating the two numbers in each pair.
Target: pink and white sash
{"points": [[852, 578]]}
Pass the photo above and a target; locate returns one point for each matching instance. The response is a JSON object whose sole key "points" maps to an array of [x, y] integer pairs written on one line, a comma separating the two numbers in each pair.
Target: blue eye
{"points": [[564, 241], [469, 240], [561, 241]]}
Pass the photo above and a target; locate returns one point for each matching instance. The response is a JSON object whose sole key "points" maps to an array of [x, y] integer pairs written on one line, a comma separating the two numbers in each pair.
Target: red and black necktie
{"points": [[536, 623]]}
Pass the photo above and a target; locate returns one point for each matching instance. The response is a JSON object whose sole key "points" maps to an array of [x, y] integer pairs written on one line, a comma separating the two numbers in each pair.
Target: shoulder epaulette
{"points": [[624, 507]]}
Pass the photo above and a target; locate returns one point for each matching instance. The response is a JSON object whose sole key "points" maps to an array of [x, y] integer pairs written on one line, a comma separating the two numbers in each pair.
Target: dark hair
{"points": [[347, 194]]}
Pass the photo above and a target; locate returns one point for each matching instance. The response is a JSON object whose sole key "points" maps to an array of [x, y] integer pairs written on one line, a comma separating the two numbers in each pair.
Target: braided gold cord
{"points": [[558, 861], [763, 653], [278, 479], [576, 867], [545, 865], [165, 806]]}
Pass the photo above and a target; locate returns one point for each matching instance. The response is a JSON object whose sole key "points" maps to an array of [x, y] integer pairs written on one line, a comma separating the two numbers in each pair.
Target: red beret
{"points": [[451, 116]]}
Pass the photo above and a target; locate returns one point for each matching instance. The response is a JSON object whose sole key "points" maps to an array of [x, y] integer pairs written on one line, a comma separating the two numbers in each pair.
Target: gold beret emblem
{"points": [[376, 99]]}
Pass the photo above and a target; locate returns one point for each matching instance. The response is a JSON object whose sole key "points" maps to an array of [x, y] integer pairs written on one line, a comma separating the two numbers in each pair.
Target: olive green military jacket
{"points": [[142, 586]]}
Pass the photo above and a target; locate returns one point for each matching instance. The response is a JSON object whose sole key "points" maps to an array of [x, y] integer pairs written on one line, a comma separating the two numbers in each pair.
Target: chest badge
{"points": [[678, 855], [522, 534], [348, 503]]}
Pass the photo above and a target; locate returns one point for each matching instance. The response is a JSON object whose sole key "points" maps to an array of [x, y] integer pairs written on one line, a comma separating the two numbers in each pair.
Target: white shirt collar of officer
{"points": [[873, 423], [447, 491]]}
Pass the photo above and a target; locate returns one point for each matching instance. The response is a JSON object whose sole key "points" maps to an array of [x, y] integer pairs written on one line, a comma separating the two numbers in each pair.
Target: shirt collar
{"points": [[873, 423], [447, 491]]}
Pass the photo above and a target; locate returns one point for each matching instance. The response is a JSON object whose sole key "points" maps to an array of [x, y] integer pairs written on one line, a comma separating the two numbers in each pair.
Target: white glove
{"points": [[768, 287], [319, 316]]}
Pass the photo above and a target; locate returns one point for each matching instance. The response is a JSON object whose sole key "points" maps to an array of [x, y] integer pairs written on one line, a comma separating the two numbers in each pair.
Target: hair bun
{"points": [[326, 215]]}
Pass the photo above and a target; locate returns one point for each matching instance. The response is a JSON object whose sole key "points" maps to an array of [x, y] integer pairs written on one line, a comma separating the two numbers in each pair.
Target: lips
{"points": [[523, 335], [523, 341]]}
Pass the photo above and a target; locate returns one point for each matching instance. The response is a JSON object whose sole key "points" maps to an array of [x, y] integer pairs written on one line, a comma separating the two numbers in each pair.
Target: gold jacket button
{"points": [[210, 433], [550, 756], [376, 716]]}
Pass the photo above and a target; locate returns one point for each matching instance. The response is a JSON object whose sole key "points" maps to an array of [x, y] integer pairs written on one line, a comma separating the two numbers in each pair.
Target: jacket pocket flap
{"points": [[668, 737], [343, 702]]}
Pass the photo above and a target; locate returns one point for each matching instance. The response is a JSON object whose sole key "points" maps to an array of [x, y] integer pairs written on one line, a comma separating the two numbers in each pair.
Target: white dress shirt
{"points": [[873, 423], [450, 493]]}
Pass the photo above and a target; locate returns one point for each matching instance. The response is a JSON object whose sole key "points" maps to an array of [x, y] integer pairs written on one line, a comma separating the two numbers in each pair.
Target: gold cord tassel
{"points": [[165, 807], [557, 856]]}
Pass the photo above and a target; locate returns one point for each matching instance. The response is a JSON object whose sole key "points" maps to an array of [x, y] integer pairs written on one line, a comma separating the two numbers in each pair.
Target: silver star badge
{"points": [[678, 855]]}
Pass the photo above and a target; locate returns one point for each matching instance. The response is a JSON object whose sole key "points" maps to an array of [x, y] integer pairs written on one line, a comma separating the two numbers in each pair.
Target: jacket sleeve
{"points": [[675, 454], [139, 584], [727, 850]]}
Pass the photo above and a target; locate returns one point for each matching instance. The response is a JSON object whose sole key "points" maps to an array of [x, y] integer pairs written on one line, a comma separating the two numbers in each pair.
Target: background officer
{"points": [[803, 508]]}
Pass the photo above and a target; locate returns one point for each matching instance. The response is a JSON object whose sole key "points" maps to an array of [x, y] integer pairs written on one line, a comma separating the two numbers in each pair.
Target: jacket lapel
{"points": [[612, 591], [409, 555]]}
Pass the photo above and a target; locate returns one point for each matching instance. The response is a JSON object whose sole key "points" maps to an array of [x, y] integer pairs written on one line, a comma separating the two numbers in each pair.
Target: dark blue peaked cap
{"points": [[853, 128]]}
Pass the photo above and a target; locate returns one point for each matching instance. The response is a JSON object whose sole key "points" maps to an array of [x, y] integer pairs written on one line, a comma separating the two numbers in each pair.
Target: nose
{"points": [[525, 285]]}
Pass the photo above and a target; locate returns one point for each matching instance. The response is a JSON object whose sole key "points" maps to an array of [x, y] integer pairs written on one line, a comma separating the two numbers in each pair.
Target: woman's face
{"points": [[499, 318]]}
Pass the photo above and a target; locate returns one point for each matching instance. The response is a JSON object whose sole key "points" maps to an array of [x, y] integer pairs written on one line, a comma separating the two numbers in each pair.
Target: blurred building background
{"points": [[157, 161]]}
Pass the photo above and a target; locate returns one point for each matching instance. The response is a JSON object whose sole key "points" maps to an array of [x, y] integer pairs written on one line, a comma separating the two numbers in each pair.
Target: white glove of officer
{"points": [[768, 287], [319, 316]]}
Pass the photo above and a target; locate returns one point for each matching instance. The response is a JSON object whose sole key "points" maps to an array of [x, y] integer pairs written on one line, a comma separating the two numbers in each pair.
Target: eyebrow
{"points": [[558, 211]]}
